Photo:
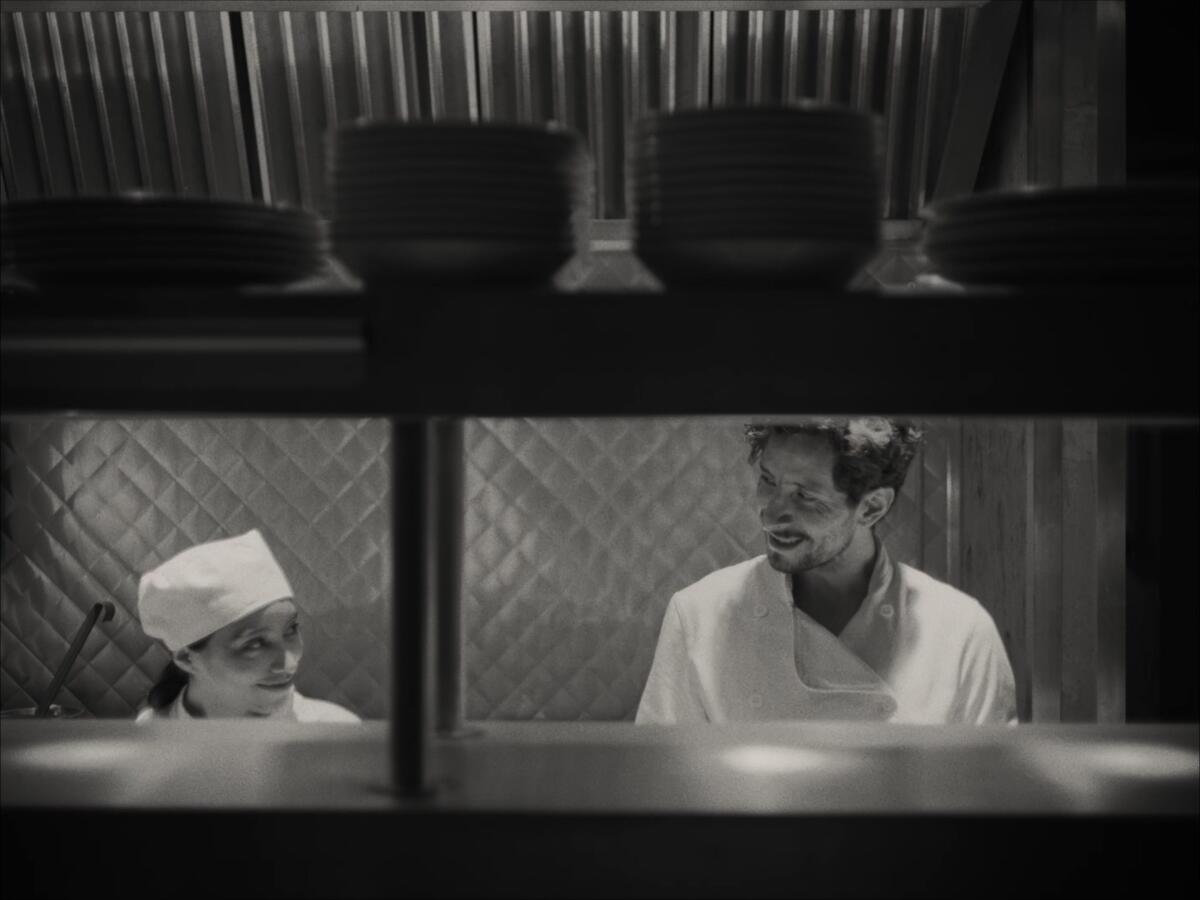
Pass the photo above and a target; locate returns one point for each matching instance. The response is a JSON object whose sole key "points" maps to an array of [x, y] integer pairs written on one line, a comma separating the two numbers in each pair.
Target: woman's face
{"points": [[247, 668]]}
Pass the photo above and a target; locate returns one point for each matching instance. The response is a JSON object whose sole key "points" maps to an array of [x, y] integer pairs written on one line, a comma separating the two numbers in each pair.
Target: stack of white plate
{"points": [[786, 195], [456, 201], [139, 239], [1127, 234]]}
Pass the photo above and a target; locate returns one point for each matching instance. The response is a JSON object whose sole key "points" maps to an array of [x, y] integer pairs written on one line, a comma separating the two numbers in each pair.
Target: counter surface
{"points": [[762, 769]]}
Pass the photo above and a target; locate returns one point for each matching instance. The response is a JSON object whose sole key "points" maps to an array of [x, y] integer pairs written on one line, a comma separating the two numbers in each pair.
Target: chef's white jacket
{"points": [[733, 647], [299, 709]]}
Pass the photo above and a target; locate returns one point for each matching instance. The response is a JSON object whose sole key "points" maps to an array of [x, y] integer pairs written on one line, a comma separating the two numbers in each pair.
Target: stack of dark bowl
{"points": [[756, 195], [1117, 234], [143, 239], [456, 202]]}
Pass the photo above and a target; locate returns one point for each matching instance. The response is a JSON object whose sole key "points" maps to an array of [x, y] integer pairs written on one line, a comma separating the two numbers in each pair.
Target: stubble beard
{"points": [[808, 556]]}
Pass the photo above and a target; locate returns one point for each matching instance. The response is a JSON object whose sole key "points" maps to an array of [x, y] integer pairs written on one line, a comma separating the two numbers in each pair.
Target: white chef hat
{"points": [[207, 587]]}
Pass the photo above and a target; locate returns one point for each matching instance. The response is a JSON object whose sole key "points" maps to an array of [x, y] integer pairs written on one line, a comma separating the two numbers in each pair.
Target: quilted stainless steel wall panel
{"points": [[576, 533], [90, 504], [102, 100]]}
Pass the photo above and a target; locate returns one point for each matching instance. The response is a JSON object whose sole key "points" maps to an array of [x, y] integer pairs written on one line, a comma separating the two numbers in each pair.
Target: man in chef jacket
{"points": [[825, 626]]}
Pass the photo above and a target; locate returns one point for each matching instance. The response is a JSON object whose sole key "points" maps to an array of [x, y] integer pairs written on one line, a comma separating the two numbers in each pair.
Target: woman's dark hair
{"points": [[871, 452], [172, 680]]}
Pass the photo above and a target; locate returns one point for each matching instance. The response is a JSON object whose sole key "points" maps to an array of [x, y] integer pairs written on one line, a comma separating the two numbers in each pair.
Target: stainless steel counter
{"points": [[242, 808], [784, 768]]}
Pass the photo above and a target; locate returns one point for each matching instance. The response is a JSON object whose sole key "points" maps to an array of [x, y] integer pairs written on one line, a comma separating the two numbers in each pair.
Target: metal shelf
{"points": [[413, 354], [475, 5]]}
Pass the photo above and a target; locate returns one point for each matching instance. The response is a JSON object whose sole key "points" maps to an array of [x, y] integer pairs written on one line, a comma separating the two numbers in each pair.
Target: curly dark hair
{"points": [[872, 452]]}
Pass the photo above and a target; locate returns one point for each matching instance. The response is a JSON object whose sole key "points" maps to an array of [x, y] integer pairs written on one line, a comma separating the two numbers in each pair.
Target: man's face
{"points": [[807, 520]]}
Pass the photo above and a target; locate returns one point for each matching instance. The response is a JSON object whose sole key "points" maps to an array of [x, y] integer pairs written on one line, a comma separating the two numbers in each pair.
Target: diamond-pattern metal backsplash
{"points": [[577, 531], [89, 505]]}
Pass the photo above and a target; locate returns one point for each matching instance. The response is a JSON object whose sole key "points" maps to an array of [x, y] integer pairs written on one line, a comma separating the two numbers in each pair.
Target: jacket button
{"points": [[756, 700], [760, 611], [887, 611]]}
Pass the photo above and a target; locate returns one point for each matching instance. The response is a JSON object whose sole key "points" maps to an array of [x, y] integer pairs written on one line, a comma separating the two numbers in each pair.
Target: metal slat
{"points": [[631, 75], [35, 112], [325, 54], [524, 66], [396, 58], [362, 69], [593, 37], [295, 109], [1110, 92], [206, 147], [168, 101], [791, 56], [991, 35], [720, 60], [496, 5], [927, 70], [106, 138], [895, 99], [487, 80], [64, 92], [755, 57], [468, 24], [668, 39], [437, 83], [862, 69], [704, 61], [558, 45], [826, 54], [135, 105], [236, 104], [6, 160], [261, 139]]}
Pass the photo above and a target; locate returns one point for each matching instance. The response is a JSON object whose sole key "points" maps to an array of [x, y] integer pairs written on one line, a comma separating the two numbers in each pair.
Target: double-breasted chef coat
{"points": [[734, 647], [299, 709]]}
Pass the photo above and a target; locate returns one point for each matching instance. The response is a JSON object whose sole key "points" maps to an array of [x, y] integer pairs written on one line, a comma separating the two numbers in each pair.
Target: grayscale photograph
{"points": [[599, 448]]}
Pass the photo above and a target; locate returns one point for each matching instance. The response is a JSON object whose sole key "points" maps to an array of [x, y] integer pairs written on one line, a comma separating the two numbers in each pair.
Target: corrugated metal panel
{"points": [[238, 104]]}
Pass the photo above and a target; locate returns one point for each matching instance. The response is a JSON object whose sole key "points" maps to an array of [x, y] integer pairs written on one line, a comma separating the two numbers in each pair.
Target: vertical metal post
{"points": [[437, 75], [862, 53], [399, 61], [296, 109], [720, 58], [413, 567], [198, 86], [472, 75], [110, 156], [31, 95], [1111, 462], [362, 65], [135, 105], [447, 535], [258, 105], [168, 101], [927, 72], [487, 79], [64, 93], [235, 102], [667, 41], [756, 53], [1110, 92], [826, 53], [524, 68], [593, 36], [558, 44], [897, 63]]}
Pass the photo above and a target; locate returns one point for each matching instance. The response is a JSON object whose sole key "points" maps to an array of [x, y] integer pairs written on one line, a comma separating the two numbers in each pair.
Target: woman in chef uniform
{"points": [[225, 612]]}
